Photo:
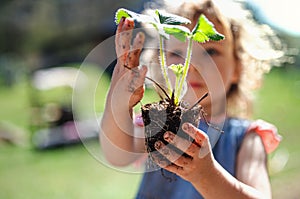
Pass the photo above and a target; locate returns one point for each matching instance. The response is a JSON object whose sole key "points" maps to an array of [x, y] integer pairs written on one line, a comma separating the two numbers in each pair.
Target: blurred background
{"points": [[42, 46]]}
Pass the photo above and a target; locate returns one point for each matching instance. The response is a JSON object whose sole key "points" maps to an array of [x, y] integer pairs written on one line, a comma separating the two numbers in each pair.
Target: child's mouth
{"points": [[195, 84]]}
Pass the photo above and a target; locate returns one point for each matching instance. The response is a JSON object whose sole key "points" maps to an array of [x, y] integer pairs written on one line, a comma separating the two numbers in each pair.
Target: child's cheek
{"points": [[172, 77]]}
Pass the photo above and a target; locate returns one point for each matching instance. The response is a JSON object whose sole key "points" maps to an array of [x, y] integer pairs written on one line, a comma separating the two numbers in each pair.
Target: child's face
{"points": [[213, 66]]}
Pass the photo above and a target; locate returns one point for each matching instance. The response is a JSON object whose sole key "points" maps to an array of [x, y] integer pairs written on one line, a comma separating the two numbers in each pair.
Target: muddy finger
{"points": [[198, 136], [135, 52], [124, 40], [175, 158], [118, 35], [166, 151], [184, 145], [136, 78], [200, 139]]}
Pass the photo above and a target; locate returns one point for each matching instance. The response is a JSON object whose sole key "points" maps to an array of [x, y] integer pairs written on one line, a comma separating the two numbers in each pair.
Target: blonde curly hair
{"points": [[256, 46]]}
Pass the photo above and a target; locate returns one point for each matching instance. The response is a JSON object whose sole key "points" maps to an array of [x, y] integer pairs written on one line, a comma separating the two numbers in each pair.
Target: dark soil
{"points": [[164, 116]]}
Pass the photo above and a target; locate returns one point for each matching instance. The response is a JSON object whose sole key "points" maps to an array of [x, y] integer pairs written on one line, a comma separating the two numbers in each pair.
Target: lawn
{"points": [[64, 173], [278, 102], [72, 172]]}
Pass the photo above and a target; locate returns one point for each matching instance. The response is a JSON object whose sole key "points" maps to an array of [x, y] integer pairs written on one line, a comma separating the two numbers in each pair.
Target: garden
{"points": [[72, 172]]}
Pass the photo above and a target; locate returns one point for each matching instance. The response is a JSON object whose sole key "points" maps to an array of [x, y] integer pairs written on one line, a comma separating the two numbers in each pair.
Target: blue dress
{"points": [[156, 186]]}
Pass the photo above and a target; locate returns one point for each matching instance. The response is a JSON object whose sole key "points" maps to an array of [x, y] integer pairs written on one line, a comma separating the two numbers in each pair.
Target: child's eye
{"points": [[177, 54], [212, 51]]}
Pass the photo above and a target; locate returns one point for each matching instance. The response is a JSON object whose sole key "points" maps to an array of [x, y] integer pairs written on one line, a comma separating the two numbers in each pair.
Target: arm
{"points": [[118, 134], [252, 164], [208, 176]]}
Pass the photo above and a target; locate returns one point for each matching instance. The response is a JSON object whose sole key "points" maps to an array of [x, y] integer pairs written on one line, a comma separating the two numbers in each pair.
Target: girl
{"points": [[234, 167]]}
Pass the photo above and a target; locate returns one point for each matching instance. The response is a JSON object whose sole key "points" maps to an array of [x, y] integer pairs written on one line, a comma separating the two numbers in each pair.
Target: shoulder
{"points": [[267, 132], [252, 144]]}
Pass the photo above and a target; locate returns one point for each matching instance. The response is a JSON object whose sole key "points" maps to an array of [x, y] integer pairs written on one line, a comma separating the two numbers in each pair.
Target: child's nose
{"points": [[192, 69]]}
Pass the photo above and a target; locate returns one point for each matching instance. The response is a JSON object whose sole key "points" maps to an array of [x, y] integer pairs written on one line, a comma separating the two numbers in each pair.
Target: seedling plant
{"points": [[170, 113]]}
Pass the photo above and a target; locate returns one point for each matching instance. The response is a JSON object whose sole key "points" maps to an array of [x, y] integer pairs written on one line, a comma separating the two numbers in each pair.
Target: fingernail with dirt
{"points": [[129, 23], [168, 136], [158, 145]]}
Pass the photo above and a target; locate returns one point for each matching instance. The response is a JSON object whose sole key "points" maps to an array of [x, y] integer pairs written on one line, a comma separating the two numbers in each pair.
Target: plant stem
{"points": [[186, 67], [159, 86], [163, 64], [176, 90]]}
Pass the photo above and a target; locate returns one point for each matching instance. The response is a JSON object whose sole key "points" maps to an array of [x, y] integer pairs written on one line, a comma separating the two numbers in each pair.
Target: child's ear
{"points": [[237, 71]]}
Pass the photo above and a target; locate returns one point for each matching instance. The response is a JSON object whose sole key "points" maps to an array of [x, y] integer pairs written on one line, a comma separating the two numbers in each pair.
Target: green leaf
{"points": [[205, 31], [160, 21], [160, 30], [177, 69], [179, 32], [216, 37], [122, 12], [171, 19], [200, 37]]}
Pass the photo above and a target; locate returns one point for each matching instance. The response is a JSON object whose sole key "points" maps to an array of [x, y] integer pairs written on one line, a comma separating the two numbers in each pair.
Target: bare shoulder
{"points": [[252, 151], [253, 145]]}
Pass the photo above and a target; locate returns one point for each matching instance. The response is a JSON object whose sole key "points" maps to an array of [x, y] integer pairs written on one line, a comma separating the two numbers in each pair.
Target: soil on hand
{"points": [[164, 116]]}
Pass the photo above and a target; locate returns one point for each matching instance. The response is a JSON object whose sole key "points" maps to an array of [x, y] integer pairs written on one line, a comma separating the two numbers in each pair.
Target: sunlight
{"points": [[282, 14]]}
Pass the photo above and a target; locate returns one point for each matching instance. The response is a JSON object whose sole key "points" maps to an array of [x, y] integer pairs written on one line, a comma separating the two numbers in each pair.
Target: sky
{"points": [[282, 14]]}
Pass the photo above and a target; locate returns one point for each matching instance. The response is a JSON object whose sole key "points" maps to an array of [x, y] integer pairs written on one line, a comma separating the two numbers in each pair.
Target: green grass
{"points": [[73, 173], [278, 102], [14, 105], [69, 173]]}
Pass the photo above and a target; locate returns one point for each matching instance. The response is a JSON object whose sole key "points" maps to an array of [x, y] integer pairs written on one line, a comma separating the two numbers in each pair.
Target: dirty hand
{"points": [[200, 155], [128, 79]]}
